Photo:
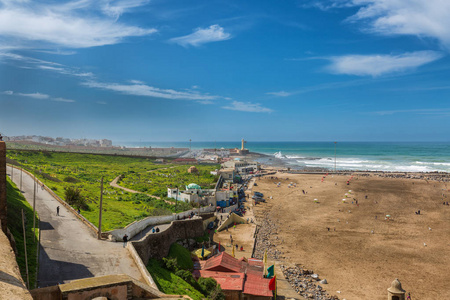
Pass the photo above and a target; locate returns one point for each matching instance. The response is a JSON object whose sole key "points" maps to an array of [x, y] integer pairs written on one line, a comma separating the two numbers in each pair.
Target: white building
{"points": [[242, 166]]}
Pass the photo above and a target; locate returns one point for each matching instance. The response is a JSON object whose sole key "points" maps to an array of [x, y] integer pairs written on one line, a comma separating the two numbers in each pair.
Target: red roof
{"points": [[224, 262], [228, 281], [237, 274], [258, 286]]}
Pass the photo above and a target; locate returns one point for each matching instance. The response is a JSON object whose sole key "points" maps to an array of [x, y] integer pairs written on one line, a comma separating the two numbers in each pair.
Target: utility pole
{"points": [[100, 213], [335, 157], [34, 209]]}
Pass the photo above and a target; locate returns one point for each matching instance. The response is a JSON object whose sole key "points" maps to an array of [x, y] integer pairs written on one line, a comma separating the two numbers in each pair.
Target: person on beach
{"points": [[409, 296], [125, 240], [57, 210]]}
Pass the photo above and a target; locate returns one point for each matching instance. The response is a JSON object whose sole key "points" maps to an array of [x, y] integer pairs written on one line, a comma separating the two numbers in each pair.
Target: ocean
{"points": [[372, 156]]}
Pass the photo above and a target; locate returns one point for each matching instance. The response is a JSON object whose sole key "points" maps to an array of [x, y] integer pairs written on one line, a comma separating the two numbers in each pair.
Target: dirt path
{"points": [[69, 250], [114, 184]]}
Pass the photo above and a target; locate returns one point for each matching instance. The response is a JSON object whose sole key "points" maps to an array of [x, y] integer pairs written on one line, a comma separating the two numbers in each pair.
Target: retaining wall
{"points": [[157, 245], [136, 227]]}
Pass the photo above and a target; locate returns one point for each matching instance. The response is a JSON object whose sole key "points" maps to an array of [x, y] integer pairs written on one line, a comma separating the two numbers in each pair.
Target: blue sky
{"points": [[346, 70]]}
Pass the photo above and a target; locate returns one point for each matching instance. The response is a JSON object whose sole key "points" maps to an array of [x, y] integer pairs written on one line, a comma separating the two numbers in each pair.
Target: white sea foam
{"points": [[364, 163]]}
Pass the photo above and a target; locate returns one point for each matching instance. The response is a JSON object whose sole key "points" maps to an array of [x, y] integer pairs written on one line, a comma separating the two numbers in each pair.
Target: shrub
{"points": [[74, 198], [170, 264], [182, 255], [71, 179], [47, 176], [210, 288]]}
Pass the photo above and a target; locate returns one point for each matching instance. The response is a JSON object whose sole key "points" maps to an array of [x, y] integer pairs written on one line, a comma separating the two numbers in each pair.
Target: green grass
{"points": [[169, 283], [60, 170], [16, 202], [182, 255]]}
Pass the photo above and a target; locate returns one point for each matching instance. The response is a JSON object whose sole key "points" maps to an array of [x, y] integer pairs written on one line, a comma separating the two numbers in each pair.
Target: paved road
{"points": [[69, 250]]}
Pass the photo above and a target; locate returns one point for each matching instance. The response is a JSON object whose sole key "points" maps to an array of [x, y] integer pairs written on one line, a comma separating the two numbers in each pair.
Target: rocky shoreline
{"points": [[305, 282]]}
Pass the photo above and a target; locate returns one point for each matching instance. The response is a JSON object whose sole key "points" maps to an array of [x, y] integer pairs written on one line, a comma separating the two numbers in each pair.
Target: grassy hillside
{"points": [[83, 171], [169, 283], [182, 255], [16, 202]]}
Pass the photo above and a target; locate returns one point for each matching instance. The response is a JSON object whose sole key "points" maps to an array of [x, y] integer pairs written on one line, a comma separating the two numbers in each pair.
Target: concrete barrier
{"points": [[138, 261]]}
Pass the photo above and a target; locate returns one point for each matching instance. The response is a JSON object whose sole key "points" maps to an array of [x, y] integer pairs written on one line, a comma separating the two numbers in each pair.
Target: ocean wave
{"points": [[375, 165]]}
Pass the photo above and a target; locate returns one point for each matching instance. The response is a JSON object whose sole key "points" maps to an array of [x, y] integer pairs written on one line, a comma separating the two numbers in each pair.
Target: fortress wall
{"points": [[157, 245]]}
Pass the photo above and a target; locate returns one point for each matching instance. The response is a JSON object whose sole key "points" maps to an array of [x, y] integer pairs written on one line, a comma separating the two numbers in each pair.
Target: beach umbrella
{"points": [[388, 216], [315, 200]]}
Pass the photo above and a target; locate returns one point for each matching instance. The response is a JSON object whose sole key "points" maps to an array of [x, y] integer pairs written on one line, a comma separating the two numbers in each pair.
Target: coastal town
{"points": [[251, 238]]}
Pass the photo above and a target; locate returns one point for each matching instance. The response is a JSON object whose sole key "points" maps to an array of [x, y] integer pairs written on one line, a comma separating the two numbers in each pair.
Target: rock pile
{"points": [[267, 232], [305, 282]]}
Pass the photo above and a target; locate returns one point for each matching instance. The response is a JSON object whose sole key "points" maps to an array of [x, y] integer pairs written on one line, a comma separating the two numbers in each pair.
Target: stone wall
{"points": [[157, 245], [136, 227]]}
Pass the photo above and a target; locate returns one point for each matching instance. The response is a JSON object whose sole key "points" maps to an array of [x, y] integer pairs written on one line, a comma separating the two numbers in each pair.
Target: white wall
{"points": [[136, 227]]}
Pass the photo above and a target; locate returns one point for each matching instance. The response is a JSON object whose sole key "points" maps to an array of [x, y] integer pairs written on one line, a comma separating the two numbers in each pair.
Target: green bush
{"points": [[182, 255], [71, 179], [170, 264], [74, 198], [210, 288], [171, 284]]}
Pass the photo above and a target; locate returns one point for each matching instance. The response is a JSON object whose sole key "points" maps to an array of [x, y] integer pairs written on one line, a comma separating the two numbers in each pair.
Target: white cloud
{"points": [[62, 25], [117, 8], [280, 94], [247, 107], [34, 95], [38, 96], [213, 33], [59, 99], [376, 65], [139, 89], [422, 18]]}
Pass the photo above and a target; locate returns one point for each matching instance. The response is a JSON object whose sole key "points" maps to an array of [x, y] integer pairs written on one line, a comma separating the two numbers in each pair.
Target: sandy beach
{"points": [[355, 246]]}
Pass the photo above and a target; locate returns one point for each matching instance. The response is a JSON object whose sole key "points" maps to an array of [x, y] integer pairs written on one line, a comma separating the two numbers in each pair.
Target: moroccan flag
{"points": [[270, 271], [273, 284], [219, 247]]}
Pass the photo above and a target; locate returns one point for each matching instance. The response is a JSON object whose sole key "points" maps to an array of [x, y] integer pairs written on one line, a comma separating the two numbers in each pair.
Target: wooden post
{"points": [[37, 256], [25, 247], [100, 212], [34, 210]]}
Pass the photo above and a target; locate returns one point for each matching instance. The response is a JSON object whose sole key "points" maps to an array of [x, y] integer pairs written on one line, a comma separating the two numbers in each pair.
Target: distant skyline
{"points": [[163, 71]]}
